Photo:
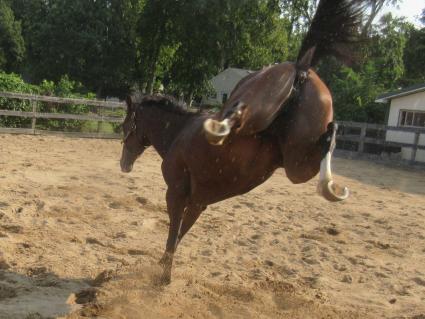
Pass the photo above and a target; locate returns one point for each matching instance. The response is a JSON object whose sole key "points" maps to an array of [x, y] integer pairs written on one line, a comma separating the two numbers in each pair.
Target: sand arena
{"points": [[79, 239]]}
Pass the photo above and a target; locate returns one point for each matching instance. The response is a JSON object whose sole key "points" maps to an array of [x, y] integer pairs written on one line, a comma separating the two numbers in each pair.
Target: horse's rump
{"points": [[302, 125]]}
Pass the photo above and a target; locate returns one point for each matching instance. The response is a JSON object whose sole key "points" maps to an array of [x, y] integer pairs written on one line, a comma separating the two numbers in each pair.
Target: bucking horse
{"points": [[278, 117]]}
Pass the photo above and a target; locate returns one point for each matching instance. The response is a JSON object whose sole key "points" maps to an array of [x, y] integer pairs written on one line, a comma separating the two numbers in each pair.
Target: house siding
{"points": [[414, 102], [224, 83]]}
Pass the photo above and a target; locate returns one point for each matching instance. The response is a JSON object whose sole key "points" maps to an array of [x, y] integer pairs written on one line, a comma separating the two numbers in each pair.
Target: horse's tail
{"points": [[333, 28]]}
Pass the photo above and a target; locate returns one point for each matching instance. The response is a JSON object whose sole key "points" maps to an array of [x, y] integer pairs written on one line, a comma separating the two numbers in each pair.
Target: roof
{"points": [[383, 98], [241, 72]]}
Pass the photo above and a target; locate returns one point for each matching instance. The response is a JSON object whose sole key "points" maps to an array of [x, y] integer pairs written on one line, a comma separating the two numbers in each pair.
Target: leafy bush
{"points": [[14, 83], [64, 88]]}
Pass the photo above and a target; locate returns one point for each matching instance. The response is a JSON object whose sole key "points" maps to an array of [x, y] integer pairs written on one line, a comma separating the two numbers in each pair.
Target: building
{"points": [[223, 84], [407, 110]]}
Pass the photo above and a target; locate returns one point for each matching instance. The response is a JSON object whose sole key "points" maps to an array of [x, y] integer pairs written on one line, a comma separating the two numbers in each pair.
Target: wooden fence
{"points": [[98, 116], [360, 135]]}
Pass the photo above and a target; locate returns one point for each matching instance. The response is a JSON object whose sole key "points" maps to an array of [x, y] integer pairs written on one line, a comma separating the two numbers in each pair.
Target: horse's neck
{"points": [[163, 127]]}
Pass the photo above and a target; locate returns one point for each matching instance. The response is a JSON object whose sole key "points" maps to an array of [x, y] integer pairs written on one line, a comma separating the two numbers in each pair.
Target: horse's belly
{"points": [[226, 184], [217, 173]]}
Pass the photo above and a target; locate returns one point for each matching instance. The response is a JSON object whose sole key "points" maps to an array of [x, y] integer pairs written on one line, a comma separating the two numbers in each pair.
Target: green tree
{"points": [[298, 14], [11, 41], [380, 69], [387, 50], [375, 6], [209, 36], [157, 33], [354, 94], [94, 42], [414, 58]]}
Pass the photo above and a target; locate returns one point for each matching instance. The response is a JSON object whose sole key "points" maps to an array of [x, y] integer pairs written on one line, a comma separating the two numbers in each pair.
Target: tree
{"points": [[375, 7], [11, 42], [387, 49], [214, 35], [157, 31], [93, 42], [414, 59]]}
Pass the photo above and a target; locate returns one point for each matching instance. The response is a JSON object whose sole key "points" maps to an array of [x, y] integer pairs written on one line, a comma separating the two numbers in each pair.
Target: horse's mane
{"points": [[333, 31], [166, 103]]}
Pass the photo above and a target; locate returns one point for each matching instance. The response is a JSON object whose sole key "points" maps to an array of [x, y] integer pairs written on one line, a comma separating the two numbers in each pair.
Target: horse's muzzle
{"points": [[126, 168], [126, 161]]}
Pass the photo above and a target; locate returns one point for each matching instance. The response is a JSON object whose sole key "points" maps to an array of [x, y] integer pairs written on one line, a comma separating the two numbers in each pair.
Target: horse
{"points": [[210, 158]]}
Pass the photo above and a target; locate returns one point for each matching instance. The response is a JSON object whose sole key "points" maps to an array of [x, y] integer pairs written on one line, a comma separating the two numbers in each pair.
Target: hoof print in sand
{"points": [[84, 296], [101, 278], [15, 229]]}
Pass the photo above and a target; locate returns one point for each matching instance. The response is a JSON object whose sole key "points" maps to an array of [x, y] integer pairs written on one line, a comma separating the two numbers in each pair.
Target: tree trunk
{"points": [[189, 99], [376, 7], [99, 92], [151, 79]]}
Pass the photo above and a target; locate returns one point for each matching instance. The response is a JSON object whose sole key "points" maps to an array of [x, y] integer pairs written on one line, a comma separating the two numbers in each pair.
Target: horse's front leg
{"points": [[176, 205]]}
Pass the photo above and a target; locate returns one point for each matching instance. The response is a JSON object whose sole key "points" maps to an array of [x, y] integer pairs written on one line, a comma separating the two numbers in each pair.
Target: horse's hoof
{"points": [[162, 281], [215, 131], [165, 281], [333, 192]]}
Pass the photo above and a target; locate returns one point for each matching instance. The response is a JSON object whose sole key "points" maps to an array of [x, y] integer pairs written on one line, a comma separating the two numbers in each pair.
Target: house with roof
{"points": [[223, 84], [407, 110]]}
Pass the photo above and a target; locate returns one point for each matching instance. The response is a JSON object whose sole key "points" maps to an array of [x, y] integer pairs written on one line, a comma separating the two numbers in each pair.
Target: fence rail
{"points": [[63, 100], [362, 138], [35, 114], [63, 116]]}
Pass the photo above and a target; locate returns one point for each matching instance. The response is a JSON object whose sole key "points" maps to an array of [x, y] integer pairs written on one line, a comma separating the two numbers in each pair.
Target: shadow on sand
{"points": [[38, 294], [381, 174]]}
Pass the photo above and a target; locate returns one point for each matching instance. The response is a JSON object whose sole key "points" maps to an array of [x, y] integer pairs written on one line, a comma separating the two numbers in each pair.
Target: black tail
{"points": [[334, 27]]}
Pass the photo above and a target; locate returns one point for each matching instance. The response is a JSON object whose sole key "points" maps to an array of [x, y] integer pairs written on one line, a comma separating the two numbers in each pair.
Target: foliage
{"points": [[11, 42], [414, 57], [387, 50], [111, 47], [380, 69], [14, 83], [64, 88], [217, 34], [92, 41], [354, 94]]}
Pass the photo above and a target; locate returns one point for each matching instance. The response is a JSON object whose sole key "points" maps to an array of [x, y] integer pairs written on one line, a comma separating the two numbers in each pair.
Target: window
{"points": [[224, 99], [412, 118]]}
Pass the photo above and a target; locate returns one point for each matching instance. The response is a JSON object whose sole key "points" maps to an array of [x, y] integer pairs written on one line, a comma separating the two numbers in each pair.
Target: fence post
{"points": [[34, 115], [99, 123], [362, 138], [415, 147]]}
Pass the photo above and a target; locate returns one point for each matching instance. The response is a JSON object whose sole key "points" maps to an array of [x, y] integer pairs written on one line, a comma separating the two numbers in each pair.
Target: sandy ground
{"points": [[68, 215]]}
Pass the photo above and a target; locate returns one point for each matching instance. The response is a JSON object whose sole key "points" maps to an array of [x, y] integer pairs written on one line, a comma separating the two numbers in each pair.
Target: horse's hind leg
{"points": [[190, 217], [176, 205]]}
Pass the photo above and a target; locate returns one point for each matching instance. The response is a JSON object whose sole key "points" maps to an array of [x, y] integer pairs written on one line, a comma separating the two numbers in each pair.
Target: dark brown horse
{"points": [[298, 136]]}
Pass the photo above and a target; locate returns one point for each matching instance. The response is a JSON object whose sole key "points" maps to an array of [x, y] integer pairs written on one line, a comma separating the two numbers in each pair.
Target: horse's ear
{"points": [[129, 102]]}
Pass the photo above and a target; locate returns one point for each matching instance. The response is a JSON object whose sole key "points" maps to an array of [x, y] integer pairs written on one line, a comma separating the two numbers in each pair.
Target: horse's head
{"points": [[135, 140]]}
